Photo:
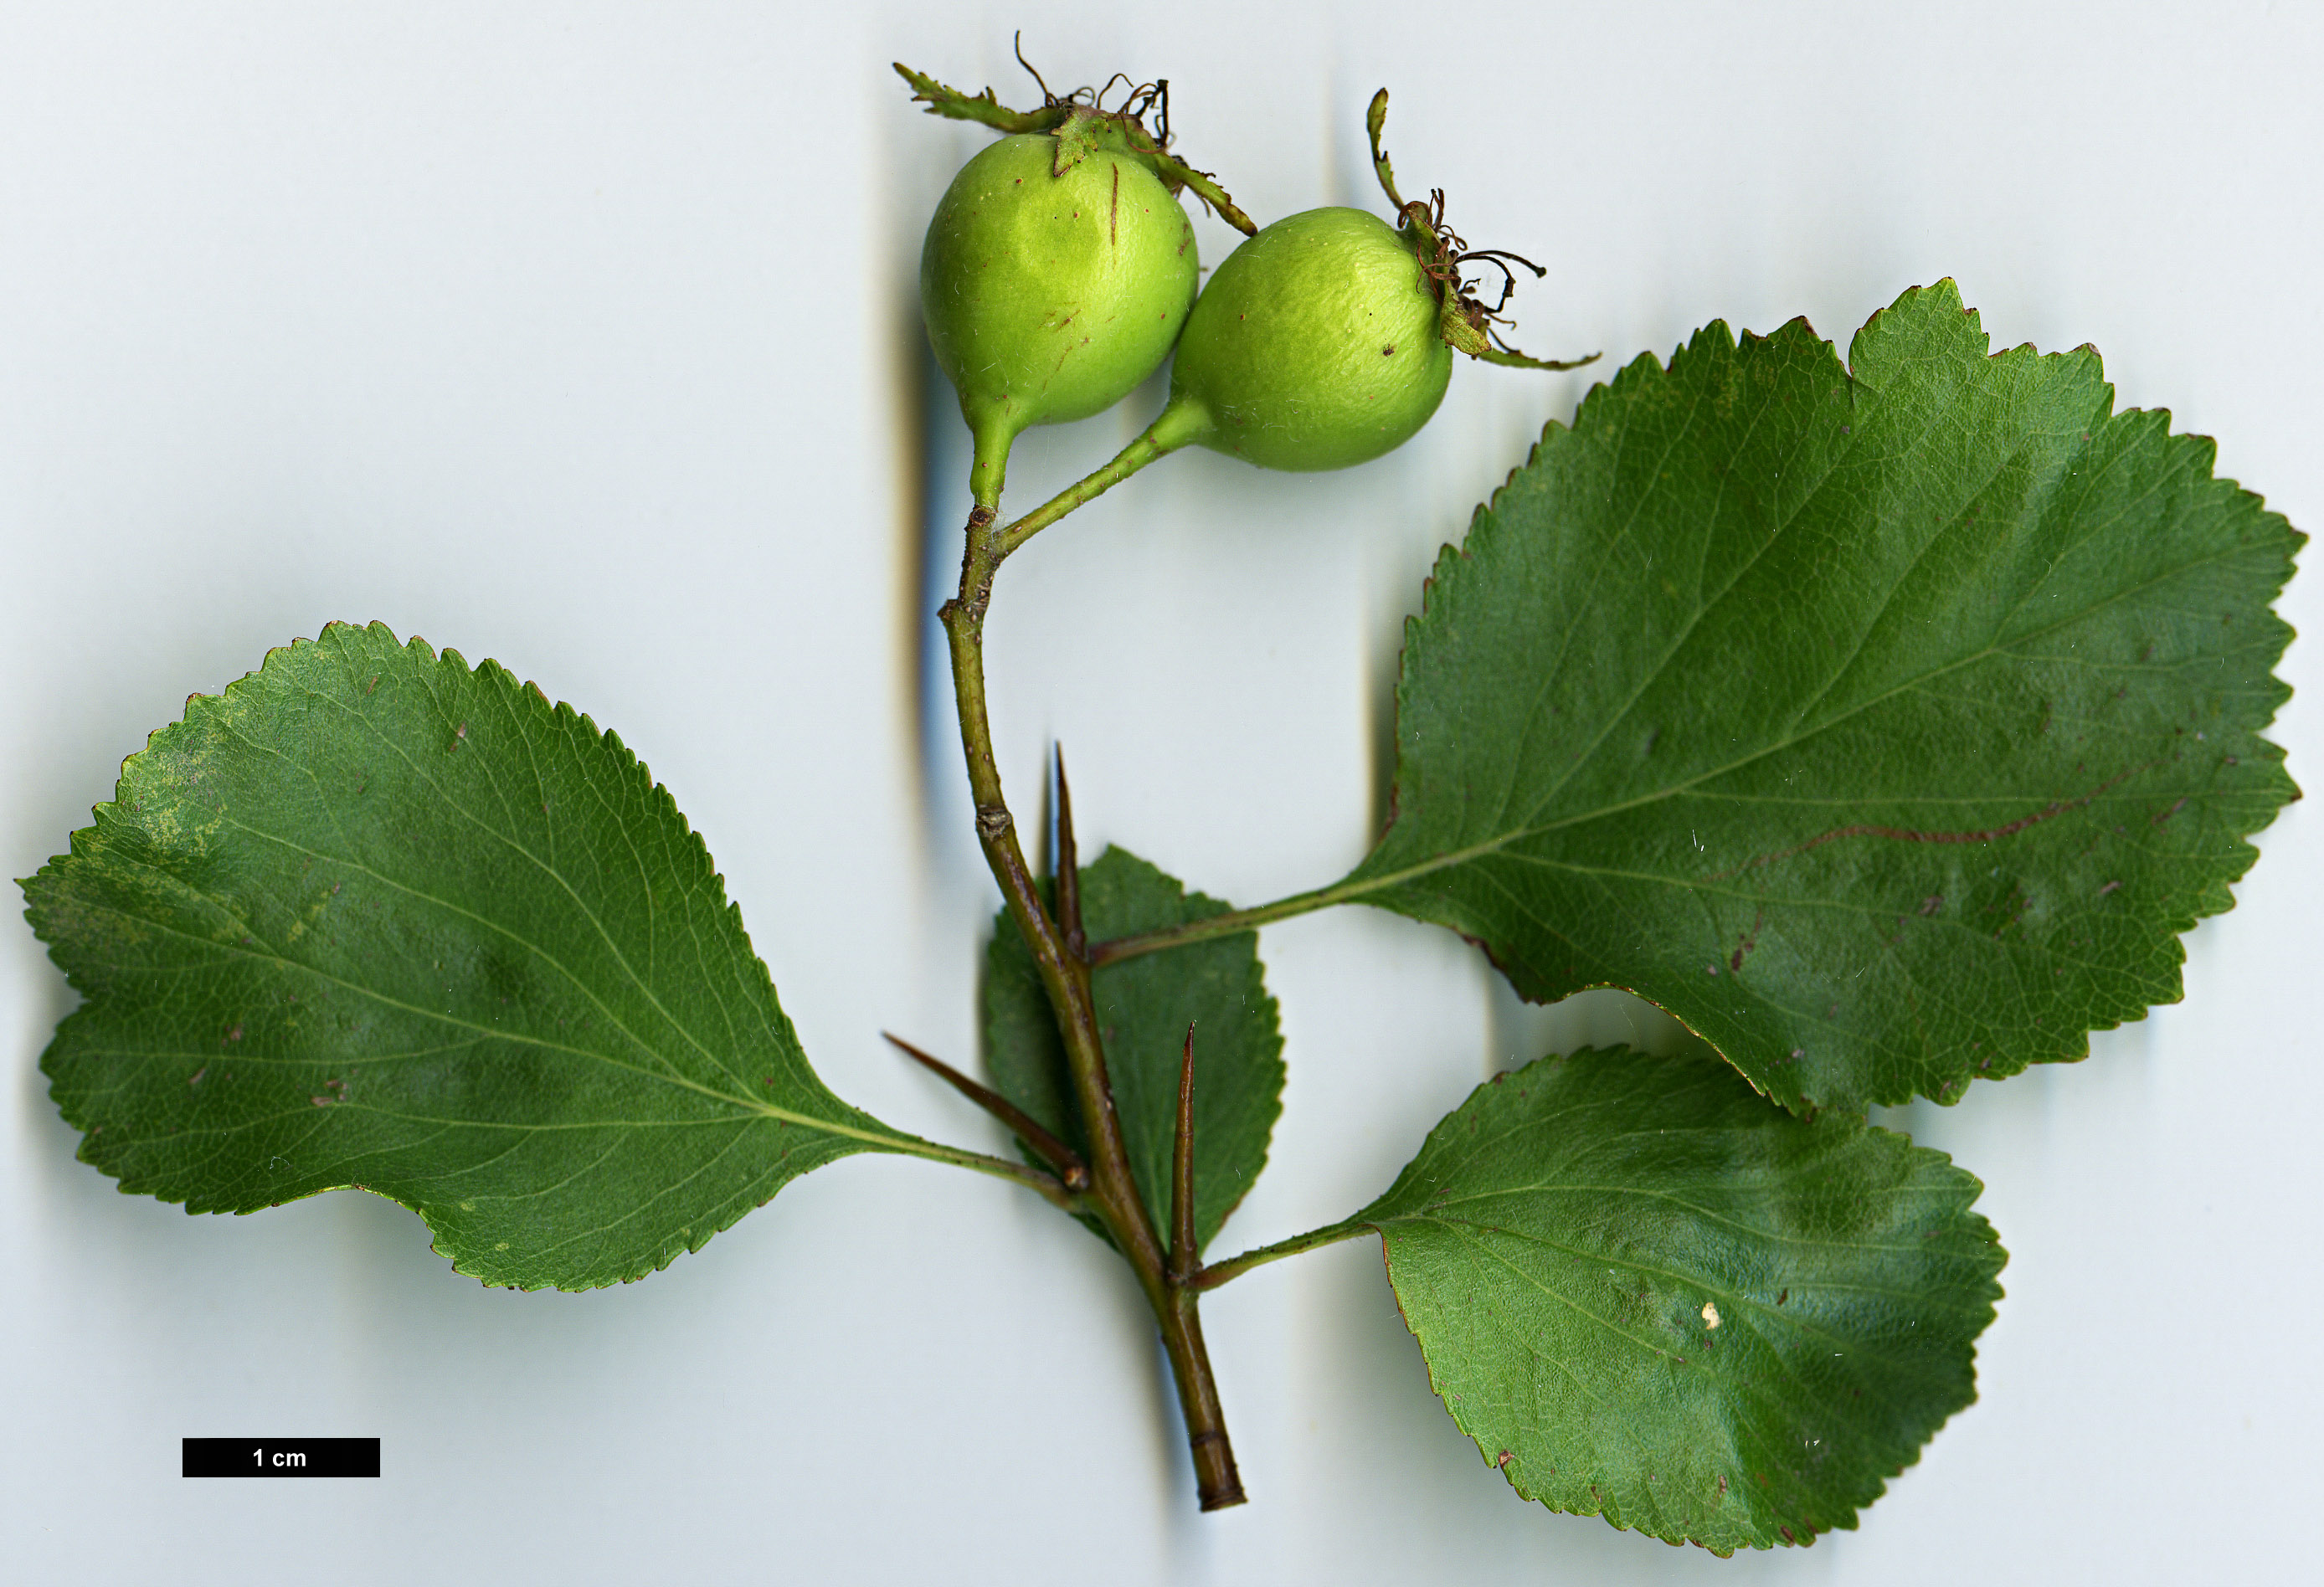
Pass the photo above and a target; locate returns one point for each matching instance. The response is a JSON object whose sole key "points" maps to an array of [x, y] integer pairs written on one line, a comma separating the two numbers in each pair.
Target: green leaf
{"points": [[1144, 1007], [1650, 1294], [1886, 728], [371, 918]]}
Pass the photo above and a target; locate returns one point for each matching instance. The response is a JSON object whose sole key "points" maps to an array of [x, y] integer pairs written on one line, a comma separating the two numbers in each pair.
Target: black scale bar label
{"points": [[282, 1457]]}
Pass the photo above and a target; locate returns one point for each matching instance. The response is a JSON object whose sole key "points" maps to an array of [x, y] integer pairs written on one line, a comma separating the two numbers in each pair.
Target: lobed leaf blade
{"points": [[1885, 724], [372, 919]]}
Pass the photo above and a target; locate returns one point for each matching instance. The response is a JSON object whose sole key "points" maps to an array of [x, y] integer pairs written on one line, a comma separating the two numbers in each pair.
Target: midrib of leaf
{"points": [[1793, 741], [1687, 1280], [1355, 888], [261, 1060], [361, 1107], [1653, 1502], [1438, 1209], [1744, 1307], [453, 804], [1888, 601], [1702, 607], [1966, 392], [1471, 1235], [675, 1075], [1550, 674], [897, 1143], [516, 727], [1710, 886]]}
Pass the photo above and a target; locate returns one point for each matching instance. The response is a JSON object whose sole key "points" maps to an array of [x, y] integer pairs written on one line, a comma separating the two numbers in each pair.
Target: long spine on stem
{"points": [[1183, 1246]]}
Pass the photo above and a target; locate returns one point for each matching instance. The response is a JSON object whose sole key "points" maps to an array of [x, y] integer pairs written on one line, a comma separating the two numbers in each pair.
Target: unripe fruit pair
{"points": [[1050, 297], [1059, 269]]}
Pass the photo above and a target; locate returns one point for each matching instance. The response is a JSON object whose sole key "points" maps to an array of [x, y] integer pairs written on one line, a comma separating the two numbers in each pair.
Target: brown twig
{"points": [[1113, 1197]]}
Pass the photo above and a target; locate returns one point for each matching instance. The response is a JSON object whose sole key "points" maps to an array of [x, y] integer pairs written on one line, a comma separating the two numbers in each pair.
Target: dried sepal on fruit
{"points": [[1463, 319]]}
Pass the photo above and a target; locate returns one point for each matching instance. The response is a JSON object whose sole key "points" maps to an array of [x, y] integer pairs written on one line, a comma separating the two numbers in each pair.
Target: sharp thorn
{"points": [[1184, 1261], [1056, 1153], [1069, 872]]}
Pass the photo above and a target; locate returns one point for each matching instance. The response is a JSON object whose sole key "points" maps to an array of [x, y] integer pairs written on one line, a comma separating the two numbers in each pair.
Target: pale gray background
{"points": [[581, 337]]}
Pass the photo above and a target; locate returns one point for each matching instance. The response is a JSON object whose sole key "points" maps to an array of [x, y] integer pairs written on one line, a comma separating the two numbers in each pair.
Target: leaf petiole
{"points": [[1218, 1273], [1048, 1187], [1074, 1173], [1212, 927], [1178, 424]]}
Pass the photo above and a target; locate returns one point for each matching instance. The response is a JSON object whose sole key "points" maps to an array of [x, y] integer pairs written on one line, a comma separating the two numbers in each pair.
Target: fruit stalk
{"points": [[1178, 425], [1112, 1193]]}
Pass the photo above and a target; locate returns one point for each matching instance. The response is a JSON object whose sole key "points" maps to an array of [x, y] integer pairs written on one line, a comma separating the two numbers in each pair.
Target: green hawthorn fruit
{"points": [[1049, 296], [1316, 346]]}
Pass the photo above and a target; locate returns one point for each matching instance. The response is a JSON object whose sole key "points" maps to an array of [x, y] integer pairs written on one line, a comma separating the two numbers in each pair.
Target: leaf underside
{"points": [[1651, 1294], [1144, 1007], [371, 918], [1886, 727]]}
